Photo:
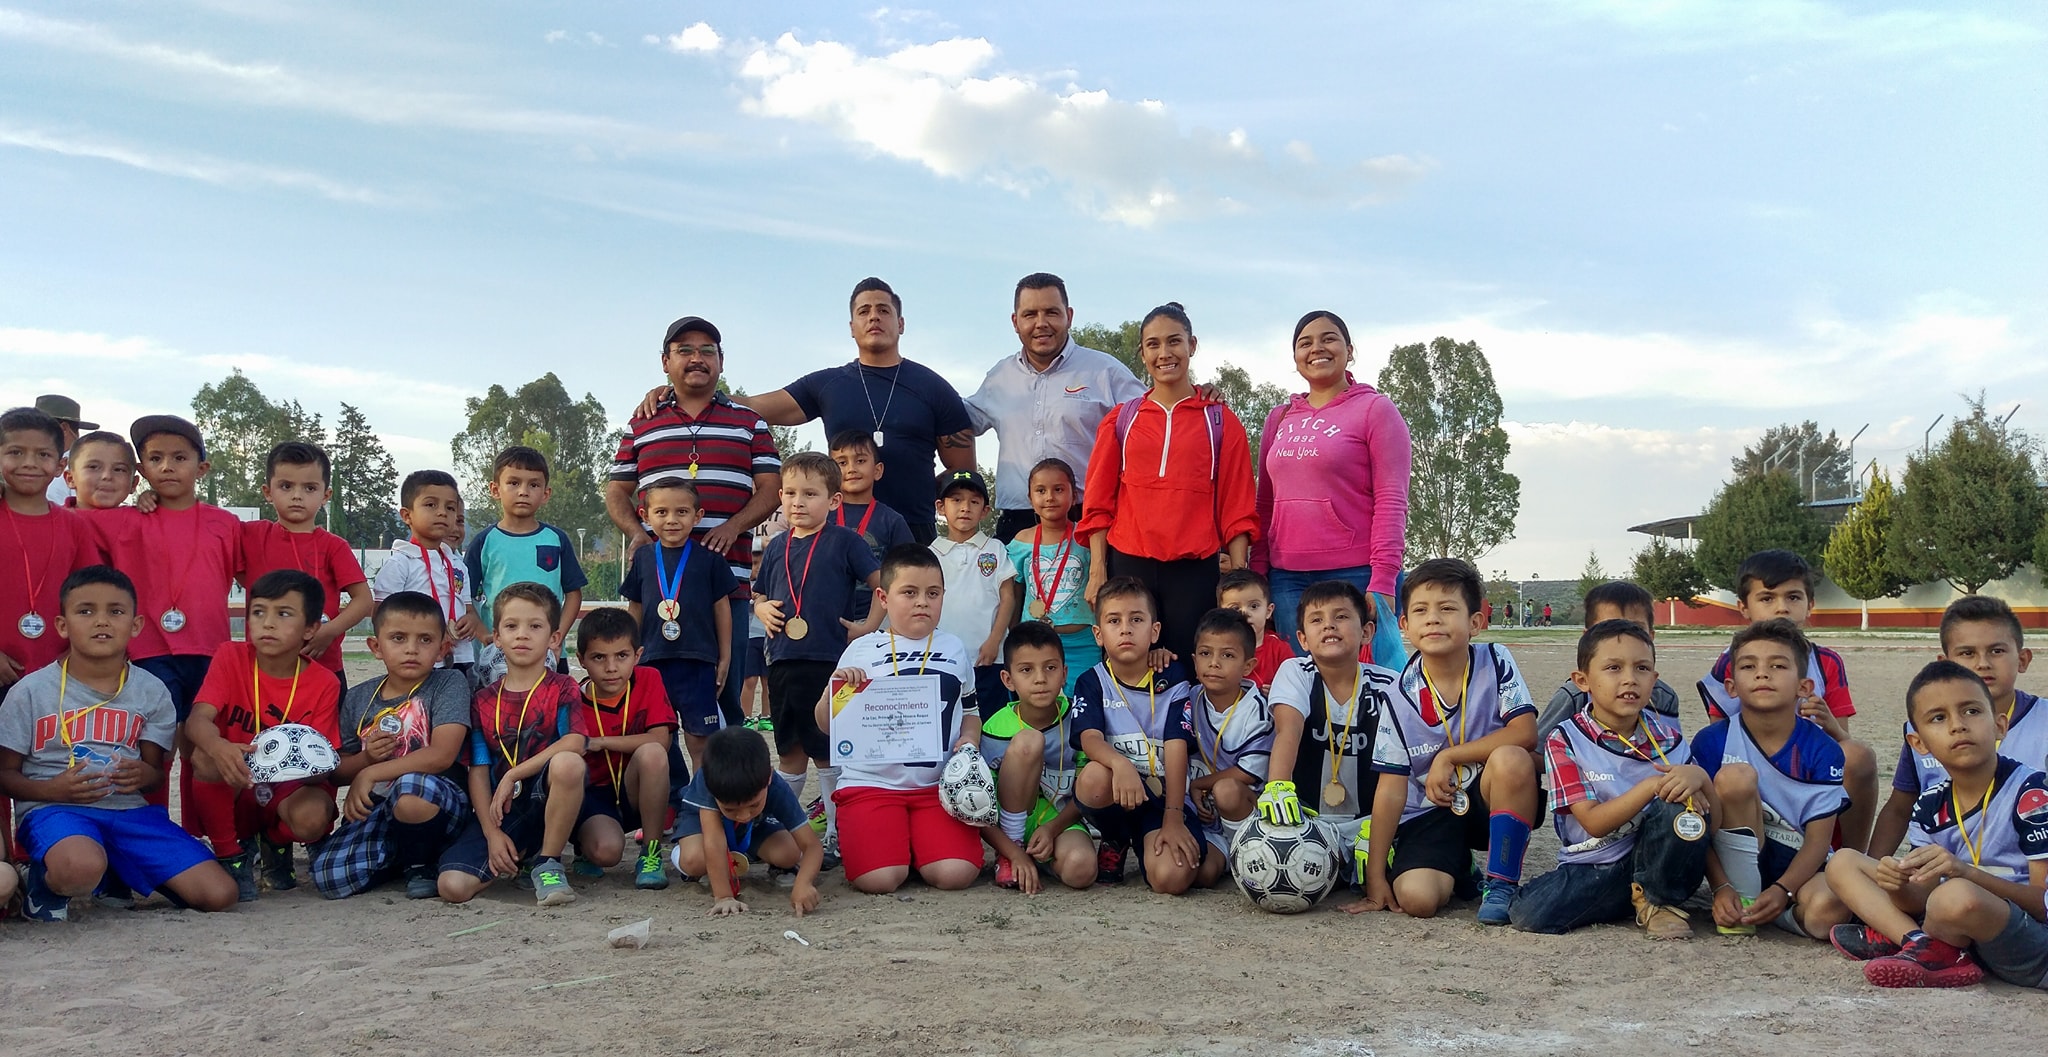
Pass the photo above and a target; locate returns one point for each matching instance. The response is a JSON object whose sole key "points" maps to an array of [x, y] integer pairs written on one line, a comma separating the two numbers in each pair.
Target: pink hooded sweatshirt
{"points": [[1333, 486]]}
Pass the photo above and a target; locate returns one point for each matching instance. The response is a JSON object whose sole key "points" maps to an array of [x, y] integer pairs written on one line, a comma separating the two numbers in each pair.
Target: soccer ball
{"points": [[1282, 869], [291, 751], [967, 789]]}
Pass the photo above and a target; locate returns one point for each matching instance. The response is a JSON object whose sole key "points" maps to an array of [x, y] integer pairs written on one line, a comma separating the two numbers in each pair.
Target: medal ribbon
{"points": [[796, 588], [1330, 724], [1655, 745], [35, 583], [498, 717], [597, 707], [1983, 820], [65, 722], [1437, 701], [864, 518], [255, 692], [1151, 714], [184, 570], [671, 586], [1220, 728], [378, 695], [448, 564], [1038, 572]]}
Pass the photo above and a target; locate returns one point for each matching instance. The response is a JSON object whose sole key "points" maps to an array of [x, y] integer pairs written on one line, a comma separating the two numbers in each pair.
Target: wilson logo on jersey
{"points": [[2032, 805]]}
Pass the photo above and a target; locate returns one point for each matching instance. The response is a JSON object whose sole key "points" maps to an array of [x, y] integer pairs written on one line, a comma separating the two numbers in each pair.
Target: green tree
{"points": [[364, 508], [1592, 575], [240, 425], [784, 436], [1859, 549], [1120, 341], [1462, 501], [1251, 403], [1668, 573], [1819, 462], [573, 434], [1754, 514], [1969, 510], [2041, 552]]}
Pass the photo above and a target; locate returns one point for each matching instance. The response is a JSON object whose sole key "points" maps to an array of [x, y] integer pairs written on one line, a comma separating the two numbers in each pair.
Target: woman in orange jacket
{"points": [[1169, 487]]}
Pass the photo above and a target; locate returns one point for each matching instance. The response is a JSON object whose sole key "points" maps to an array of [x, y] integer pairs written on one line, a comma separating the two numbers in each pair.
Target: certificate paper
{"points": [[893, 719]]}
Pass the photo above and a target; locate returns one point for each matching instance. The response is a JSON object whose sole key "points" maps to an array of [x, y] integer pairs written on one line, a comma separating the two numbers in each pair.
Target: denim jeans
{"points": [[1288, 584], [1575, 895]]}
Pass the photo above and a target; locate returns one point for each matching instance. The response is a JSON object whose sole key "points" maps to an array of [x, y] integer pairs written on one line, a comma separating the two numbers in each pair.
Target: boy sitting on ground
{"points": [[1026, 743], [626, 716]]}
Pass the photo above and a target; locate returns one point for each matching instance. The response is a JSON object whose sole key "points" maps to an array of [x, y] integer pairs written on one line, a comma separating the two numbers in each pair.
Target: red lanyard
{"points": [[156, 523], [796, 590], [427, 559], [864, 518], [1037, 571], [34, 583]]}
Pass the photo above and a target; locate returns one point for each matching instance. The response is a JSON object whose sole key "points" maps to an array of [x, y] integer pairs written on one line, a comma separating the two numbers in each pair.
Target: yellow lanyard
{"points": [[922, 663], [1983, 820], [1223, 726], [1437, 696], [255, 693], [1152, 768], [64, 722], [1350, 721], [1656, 747], [378, 695], [597, 709], [498, 714]]}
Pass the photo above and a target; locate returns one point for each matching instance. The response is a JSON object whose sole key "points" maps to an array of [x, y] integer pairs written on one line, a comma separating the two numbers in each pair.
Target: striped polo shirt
{"points": [[729, 444]]}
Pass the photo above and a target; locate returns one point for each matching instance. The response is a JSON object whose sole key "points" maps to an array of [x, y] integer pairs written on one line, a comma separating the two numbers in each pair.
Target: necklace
{"points": [[862, 369]]}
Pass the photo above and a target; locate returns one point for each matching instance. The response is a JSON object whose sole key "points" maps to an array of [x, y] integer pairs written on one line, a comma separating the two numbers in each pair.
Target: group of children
{"points": [[475, 757]]}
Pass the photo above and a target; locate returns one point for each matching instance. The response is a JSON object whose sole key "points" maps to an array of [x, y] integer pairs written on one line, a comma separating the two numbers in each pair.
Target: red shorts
{"points": [[880, 828], [226, 817]]}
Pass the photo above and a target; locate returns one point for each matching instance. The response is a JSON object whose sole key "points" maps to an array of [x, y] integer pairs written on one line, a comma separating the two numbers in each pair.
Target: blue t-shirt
{"points": [[886, 530], [1137, 721], [911, 405], [839, 564], [706, 581], [781, 812], [498, 559]]}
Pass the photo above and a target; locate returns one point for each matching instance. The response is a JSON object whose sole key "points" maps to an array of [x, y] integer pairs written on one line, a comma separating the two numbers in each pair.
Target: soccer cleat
{"points": [[784, 878], [1495, 896], [420, 883], [276, 859], [551, 884], [1109, 864], [114, 892], [583, 867], [38, 902], [1006, 874], [1924, 961], [244, 873], [815, 812], [1738, 930], [650, 876], [1861, 943], [1659, 922]]}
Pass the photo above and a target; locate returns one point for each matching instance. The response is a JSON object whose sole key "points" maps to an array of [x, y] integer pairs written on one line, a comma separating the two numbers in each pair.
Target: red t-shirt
{"points": [[1272, 653], [36, 553], [315, 701], [268, 546], [182, 559], [644, 707]]}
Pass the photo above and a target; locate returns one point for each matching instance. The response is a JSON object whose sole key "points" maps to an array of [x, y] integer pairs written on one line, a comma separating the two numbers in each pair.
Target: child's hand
{"points": [[731, 905], [803, 898], [1174, 838], [853, 677], [1040, 846], [380, 745], [228, 761], [357, 805], [501, 799], [769, 612], [988, 653], [465, 627], [10, 670], [1727, 907], [1160, 658], [1026, 870], [1891, 875], [323, 637], [1683, 782], [504, 854], [1816, 709], [1379, 895], [76, 785], [1442, 776], [1930, 863], [1771, 903], [131, 776], [1205, 806], [146, 502], [1126, 785]]}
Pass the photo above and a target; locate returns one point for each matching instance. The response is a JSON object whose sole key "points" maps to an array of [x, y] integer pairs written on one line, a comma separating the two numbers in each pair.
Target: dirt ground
{"points": [[1113, 971]]}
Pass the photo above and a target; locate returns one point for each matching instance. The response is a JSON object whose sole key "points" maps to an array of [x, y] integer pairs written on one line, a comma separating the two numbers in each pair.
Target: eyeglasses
{"points": [[686, 351]]}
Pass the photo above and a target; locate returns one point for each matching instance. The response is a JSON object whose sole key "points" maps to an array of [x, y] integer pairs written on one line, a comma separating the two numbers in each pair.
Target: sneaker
{"points": [[420, 883], [1495, 896], [831, 846], [1109, 864], [1006, 874], [38, 902], [114, 892], [1924, 961], [784, 878], [651, 876], [278, 872], [1738, 930], [1861, 943], [583, 867], [522, 875], [551, 884], [815, 811], [244, 873], [1659, 922]]}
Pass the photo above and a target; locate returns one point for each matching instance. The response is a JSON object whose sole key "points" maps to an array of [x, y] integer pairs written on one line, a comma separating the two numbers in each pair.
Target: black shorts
{"points": [[1441, 841], [1147, 818], [470, 852], [606, 801], [794, 688]]}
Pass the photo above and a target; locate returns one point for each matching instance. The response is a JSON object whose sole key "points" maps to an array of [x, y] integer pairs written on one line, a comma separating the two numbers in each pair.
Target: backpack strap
{"points": [[1126, 413]]}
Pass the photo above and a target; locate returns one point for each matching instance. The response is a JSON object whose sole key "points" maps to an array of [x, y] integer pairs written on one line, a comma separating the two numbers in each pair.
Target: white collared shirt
{"points": [[1050, 414], [407, 569], [976, 570]]}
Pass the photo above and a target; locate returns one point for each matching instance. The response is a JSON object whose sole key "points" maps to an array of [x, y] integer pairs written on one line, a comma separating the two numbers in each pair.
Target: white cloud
{"points": [[944, 106], [202, 168], [556, 36], [696, 37]]}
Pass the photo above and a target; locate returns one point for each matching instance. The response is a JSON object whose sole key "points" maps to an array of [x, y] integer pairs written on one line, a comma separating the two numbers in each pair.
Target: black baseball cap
{"points": [[687, 324], [971, 480], [150, 425]]}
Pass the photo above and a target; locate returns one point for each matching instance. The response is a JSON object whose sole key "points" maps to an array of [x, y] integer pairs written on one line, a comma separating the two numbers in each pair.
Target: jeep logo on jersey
{"points": [[2032, 805]]}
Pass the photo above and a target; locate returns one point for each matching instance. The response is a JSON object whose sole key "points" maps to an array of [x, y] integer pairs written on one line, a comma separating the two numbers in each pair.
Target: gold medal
{"points": [[1460, 802], [1690, 825], [1036, 609], [669, 608], [1333, 794], [796, 629]]}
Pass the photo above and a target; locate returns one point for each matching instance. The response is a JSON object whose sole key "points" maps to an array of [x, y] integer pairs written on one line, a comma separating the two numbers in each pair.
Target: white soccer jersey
{"points": [[881, 653], [1494, 694]]}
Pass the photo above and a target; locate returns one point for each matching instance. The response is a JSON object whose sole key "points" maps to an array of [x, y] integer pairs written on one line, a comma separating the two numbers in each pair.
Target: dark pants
{"points": [[1011, 522], [1184, 589], [1579, 894], [735, 668]]}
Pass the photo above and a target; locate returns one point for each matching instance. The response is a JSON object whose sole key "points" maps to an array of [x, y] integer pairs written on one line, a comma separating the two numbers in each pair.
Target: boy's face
{"points": [[1036, 674], [672, 515], [748, 810], [1763, 675], [520, 492], [409, 644], [1792, 600], [1250, 601], [461, 521], [433, 514], [912, 600], [610, 663], [805, 502], [1125, 627], [172, 466], [1052, 495], [297, 491], [963, 510], [1437, 622], [1221, 664], [524, 632], [858, 472], [1332, 632], [280, 627], [1986, 647], [98, 620], [1956, 723], [1602, 612], [1619, 680], [102, 474], [28, 461]]}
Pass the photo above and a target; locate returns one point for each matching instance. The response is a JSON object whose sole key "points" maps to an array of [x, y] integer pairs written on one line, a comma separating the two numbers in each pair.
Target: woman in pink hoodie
{"points": [[1333, 485]]}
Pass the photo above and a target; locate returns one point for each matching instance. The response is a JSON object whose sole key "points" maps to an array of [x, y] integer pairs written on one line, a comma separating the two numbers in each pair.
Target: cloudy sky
{"points": [[1670, 224]]}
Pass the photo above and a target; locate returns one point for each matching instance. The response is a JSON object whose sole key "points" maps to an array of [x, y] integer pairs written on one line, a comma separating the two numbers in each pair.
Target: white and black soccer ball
{"points": [[967, 789], [290, 752], [1282, 869]]}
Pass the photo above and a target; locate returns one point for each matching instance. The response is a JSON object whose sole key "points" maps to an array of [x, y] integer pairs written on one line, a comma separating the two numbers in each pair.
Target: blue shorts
{"points": [[743, 839], [757, 658], [2019, 953], [693, 692], [144, 847]]}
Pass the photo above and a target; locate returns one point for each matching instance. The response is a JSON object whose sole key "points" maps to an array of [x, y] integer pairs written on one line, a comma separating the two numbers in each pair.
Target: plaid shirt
{"points": [[357, 856], [1567, 783]]}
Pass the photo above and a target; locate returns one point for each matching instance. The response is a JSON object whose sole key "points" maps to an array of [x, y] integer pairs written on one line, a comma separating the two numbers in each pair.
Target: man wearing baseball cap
{"points": [[65, 410]]}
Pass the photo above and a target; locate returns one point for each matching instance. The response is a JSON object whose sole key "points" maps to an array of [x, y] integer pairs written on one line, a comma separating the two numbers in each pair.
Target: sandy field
{"points": [[1113, 971]]}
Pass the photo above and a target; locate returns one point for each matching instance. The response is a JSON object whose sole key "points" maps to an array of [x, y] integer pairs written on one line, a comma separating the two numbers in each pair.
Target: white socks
{"points": [[1737, 849], [828, 780], [795, 781], [1013, 825]]}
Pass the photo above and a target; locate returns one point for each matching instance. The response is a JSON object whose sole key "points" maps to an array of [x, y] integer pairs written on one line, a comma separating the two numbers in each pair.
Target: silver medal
{"points": [[32, 625], [263, 794], [1460, 802], [1689, 825], [671, 630], [172, 621]]}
